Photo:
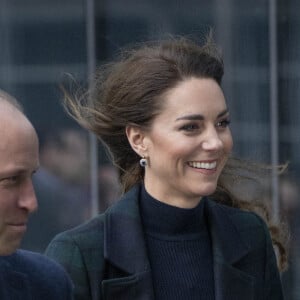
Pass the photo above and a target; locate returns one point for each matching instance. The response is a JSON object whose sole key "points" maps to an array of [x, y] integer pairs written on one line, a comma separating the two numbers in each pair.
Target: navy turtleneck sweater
{"points": [[179, 250]]}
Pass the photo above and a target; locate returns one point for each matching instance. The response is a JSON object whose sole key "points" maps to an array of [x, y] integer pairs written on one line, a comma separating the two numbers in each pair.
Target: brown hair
{"points": [[130, 91]]}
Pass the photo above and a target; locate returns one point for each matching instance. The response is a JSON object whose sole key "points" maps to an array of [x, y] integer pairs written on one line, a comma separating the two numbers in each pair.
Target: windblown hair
{"points": [[131, 91]]}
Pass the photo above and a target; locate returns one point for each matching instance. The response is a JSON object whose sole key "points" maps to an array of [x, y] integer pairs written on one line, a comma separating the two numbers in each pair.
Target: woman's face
{"points": [[188, 143]]}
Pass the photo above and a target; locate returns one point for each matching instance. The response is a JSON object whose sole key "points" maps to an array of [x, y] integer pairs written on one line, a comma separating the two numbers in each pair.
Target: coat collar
{"points": [[223, 231], [123, 227], [13, 284], [125, 248], [229, 247]]}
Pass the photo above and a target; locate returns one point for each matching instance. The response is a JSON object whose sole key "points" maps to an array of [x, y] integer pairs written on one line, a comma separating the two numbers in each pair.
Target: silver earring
{"points": [[143, 162]]}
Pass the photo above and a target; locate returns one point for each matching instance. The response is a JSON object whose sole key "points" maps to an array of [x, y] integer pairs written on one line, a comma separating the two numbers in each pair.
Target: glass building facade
{"points": [[45, 43]]}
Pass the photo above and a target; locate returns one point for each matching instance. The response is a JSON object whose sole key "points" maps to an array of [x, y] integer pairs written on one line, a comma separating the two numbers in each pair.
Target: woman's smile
{"points": [[203, 165]]}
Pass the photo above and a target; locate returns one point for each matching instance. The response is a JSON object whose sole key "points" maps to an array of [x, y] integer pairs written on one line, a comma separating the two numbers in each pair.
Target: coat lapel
{"points": [[228, 248], [123, 227], [13, 285]]}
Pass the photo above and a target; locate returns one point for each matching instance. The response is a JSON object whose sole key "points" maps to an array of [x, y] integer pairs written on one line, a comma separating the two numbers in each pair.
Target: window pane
{"points": [[40, 42]]}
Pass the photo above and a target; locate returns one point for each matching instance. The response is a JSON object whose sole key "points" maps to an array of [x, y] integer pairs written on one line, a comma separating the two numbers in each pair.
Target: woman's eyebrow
{"points": [[223, 113], [191, 117], [199, 117]]}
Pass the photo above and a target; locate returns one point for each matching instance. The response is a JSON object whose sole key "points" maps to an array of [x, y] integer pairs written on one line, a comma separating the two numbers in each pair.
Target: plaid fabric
{"points": [[107, 257]]}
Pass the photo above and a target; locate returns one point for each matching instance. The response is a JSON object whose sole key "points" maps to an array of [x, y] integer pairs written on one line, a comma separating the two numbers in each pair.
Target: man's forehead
{"points": [[7, 112], [5, 97], [10, 114]]}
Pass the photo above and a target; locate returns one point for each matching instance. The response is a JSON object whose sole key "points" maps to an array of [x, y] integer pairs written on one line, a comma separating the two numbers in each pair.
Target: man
{"points": [[23, 274]]}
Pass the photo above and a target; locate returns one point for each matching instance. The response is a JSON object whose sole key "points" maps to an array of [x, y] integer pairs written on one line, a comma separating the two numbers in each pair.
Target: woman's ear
{"points": [[135, 136]]}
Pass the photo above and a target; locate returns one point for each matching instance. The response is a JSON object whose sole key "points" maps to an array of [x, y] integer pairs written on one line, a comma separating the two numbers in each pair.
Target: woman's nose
{"points": [[212, 141]]}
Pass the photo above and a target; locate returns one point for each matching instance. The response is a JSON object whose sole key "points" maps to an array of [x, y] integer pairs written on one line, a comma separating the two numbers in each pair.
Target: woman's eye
{"points": [[224, 123], [190, 127]]}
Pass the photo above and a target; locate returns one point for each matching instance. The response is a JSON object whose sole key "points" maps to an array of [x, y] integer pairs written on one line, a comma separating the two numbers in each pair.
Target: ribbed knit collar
{"points": [[167, 221]]}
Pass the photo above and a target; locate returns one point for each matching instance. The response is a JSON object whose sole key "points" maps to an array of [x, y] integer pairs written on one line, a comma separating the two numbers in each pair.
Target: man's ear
{"points": [[135, 136]]}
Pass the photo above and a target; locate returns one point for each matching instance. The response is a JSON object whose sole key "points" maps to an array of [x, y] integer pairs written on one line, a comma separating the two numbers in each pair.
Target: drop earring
{"points": [[143, 162]]}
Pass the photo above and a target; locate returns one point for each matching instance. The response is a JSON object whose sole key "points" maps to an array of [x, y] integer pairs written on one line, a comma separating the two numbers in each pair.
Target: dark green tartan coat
{"points": [[107, 258]]}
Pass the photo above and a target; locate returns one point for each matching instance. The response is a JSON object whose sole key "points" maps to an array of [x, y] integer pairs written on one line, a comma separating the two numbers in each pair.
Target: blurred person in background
{"points": [[109, 186], [61, 185], [180, 231], [23, 274]]}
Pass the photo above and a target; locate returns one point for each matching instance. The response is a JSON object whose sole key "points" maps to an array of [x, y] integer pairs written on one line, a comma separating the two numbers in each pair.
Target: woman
{"points": [[161, 112]]}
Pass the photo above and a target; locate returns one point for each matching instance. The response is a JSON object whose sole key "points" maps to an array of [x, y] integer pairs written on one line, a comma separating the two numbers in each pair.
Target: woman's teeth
{"points": [[203, 165]]}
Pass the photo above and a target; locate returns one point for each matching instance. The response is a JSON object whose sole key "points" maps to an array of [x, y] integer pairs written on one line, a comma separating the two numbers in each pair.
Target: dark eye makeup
{"points": [[189, 127], [223, 123]]}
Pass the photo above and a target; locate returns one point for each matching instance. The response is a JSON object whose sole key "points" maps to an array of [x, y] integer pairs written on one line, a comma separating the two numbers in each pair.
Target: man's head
{"points": [[19, 159]]}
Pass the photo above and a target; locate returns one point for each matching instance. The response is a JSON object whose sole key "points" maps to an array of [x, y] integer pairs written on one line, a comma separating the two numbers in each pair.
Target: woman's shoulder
{"points": [[80, 247], [233, 224], [93, 228], [86, 234], [244, 220]]}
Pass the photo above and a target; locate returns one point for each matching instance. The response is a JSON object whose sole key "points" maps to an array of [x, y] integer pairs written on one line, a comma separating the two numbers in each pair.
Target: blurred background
{"points": [[43, 40]]}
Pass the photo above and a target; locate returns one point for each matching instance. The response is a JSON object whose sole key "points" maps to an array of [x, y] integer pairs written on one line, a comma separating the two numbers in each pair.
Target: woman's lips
{"points": [[203, 165]]}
